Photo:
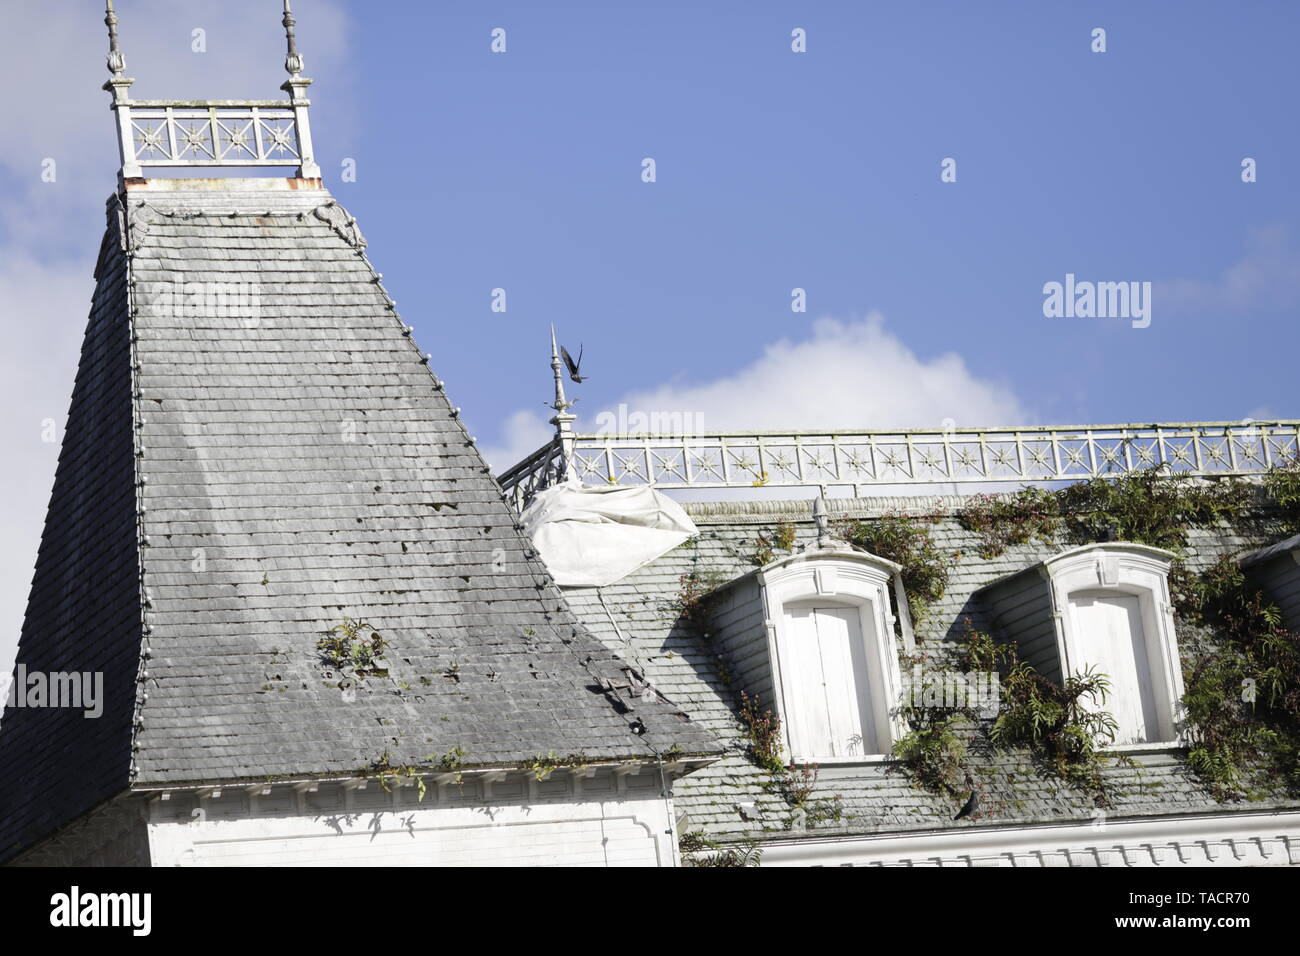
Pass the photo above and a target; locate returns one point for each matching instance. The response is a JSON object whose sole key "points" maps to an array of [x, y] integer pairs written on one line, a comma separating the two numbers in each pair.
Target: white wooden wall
{"points": [[598, 822]]}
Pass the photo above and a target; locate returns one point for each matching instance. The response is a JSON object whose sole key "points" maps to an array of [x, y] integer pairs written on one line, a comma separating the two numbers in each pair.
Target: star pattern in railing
{"points": [[864, 459]]}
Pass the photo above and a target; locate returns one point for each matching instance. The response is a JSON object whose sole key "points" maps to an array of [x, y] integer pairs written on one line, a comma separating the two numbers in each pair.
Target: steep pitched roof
{"points": [[641, 617], [297, 463], [83, 613]]}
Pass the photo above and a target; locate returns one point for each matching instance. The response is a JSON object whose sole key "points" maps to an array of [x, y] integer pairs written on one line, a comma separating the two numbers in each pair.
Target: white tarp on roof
{"points": [[592, 535]]}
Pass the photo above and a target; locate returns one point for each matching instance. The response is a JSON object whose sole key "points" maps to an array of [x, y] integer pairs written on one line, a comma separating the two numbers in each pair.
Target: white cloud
{"points": [[1266, 276], [846, 375], [522, 433]]}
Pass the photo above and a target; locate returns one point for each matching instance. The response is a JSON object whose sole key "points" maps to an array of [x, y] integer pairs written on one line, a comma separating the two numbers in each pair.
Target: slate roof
{"points": [[297, 463], [1266, 554], [732, 799], [84, 608]]}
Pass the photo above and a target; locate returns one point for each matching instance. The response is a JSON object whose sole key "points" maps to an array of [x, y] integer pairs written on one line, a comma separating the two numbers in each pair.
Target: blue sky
{"points": [[775, 170], [821, 170]]}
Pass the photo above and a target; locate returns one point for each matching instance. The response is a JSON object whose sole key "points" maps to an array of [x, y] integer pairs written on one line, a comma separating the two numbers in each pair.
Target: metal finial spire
{"points": [[561, 405], [562, 420], [293, 60], [150, 133], [116, 61]]}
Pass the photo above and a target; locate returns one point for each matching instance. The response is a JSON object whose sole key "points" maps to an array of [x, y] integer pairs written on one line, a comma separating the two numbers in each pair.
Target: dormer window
{"points": [[1102, 608], [831, 643]]}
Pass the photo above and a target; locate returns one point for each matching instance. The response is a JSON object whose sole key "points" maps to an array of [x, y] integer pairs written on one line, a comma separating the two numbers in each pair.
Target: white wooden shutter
{"points": [[1113, 642], [824, 678]]}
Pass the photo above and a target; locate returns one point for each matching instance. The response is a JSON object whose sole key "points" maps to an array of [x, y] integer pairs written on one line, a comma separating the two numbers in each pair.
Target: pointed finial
{"points": [[293, 60], [562, 420], [116, 61], [822, 520], [560, 404]]}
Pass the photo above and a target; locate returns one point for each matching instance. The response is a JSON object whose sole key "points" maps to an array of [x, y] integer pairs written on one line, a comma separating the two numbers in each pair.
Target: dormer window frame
{"points": [[1139, 571], [842, 577]]}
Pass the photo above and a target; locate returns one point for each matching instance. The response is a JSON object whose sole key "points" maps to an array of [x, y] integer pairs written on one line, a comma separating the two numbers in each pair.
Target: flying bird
{"points": [[972, 804], [573, 366]]}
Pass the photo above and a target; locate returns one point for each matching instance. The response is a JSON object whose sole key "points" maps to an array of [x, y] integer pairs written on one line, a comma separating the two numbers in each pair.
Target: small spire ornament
{"points": [[293, 59]]}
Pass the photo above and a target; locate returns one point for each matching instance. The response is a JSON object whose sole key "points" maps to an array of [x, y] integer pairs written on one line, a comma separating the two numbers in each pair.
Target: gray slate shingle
{"points": [[300, 465], [640, 617]]}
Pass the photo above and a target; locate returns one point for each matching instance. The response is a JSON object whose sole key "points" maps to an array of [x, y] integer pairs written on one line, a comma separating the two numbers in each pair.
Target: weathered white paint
{"points": [[833, 604], [824, 664], [1113, 642], [604, 820], [1131, 632], [1236, 839]]}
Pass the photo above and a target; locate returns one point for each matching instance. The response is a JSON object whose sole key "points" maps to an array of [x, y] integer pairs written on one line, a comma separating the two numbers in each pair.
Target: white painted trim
{"points": [[1231, 839], [478, 824], [845, 577], [1134, 569]]}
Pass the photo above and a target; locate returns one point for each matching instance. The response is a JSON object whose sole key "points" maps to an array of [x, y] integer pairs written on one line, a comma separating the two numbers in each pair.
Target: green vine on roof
{"points": [[1242, 690], [1056, 723], [762, 733], [794, 784], [1282, 482], [1059, 725], [354, 649], [933, 751], [694, 591], [1242, 696], [905, 540], [1004, 520], [1154, 506], [780, 538]]}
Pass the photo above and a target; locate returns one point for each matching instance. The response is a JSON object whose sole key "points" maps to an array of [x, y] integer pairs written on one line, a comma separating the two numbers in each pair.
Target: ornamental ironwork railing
{"points": [[217, 133], [862, 459], [208, 133]]}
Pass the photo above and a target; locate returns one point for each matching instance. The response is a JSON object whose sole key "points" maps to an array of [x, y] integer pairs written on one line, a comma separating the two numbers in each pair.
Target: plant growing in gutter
{"points": [[698, 850], [905, 540], [542, 766], [383, 768], [452, 762]]}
